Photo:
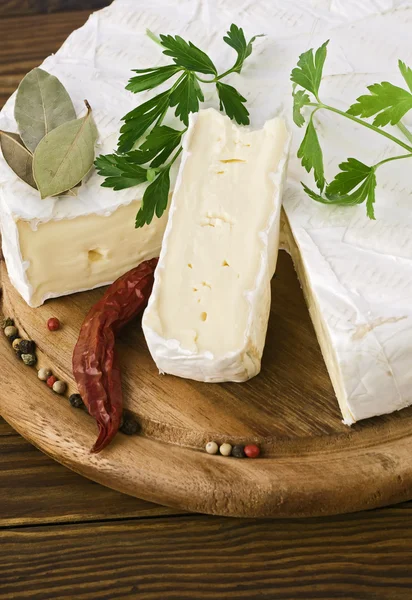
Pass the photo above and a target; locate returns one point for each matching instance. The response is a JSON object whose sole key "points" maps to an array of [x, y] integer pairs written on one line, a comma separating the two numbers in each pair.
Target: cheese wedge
{"points": [[62, 245], [208, 313]]}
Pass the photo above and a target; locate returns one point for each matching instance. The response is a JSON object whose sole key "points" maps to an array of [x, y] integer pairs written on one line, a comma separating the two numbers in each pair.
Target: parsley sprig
{"points": [[386, 103], [147, 148]]}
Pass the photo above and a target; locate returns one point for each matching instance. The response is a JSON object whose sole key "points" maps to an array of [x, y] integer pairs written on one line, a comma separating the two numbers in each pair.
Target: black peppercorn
{"points": [[27, 347], [238, 452], [129, 425], [76, 401]]}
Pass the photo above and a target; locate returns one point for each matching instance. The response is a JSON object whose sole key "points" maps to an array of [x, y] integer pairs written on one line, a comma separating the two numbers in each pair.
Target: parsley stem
{"points": [[386, 160], [364, 123], [153, 37], [217, 78], [404, 130], [174, 158]]}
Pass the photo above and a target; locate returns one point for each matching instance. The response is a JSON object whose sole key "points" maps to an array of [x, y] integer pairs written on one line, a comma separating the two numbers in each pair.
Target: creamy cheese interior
{"points": [[86, 252], [217, 245]]}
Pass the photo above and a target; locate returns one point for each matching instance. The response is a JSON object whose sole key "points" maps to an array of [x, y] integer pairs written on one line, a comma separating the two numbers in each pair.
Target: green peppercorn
{"points": [[76, 401], [10, 331], [16, 343], [7, 323], [27, 346], [29, 359], [129, 425]]}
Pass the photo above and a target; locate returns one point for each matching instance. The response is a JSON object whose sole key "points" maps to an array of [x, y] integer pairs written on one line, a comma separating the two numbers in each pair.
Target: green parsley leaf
{"points": [[387, 101], [187, 55], [232, 103], [133, 165], [160, 144], [139, 120], [186, 97], [314, 195], [157, 147], [311, 155], [140, 157], [151, 78], [353, 172], [119, 171], [164, 154], [235, 38], [355, 177], [155, 199], [308, 73], [300, 99], [353, 185], [406, 73], [161, 136]]}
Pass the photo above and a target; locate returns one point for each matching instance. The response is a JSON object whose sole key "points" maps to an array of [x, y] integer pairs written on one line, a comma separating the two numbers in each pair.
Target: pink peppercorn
{"points": [[51, 381], [53, 324], [252, 451]]}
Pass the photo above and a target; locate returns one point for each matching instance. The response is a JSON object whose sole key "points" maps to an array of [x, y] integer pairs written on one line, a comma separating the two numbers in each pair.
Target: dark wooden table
{"points": [[62, 536]]}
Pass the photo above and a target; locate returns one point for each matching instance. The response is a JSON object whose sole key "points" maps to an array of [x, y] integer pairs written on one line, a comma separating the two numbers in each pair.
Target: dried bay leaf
{"points": [[65, 155], [16, 155], [73, 192], [42, 104]]}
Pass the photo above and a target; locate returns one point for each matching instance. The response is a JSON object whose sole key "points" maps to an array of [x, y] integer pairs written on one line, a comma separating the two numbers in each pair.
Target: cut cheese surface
{"points": [[67, 244], [208, 313], [83, 253]]}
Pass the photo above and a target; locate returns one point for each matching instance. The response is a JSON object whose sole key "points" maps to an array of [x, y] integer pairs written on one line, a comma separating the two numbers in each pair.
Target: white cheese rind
{"points": [[208, 312], [95, 63], [367, 269]]}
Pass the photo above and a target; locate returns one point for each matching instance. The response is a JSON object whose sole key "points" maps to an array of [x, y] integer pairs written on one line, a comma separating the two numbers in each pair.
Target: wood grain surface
{"points": [[311, 463], [199, 558], [26, 41], [49, 493], [360, 556], [12, 8]]}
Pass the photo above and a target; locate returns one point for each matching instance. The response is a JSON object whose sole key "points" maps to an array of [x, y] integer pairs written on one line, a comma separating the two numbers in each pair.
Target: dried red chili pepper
{"points": [[95, 365]]}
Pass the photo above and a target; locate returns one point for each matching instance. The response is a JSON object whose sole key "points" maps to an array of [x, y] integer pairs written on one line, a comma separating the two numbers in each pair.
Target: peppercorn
{"points": [[53, 324], [59, 387], [15, 344], [44, 374], [129, 426], [7, 323], [252, 451], [10, 331], [29, 359], [27, 346], [238, 451], [76, 401], [212, 448], [51, 381], [225, 449]]}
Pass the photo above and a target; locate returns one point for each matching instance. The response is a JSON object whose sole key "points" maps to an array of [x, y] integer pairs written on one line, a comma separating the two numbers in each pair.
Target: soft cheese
{"points": [[357, 274], [208, 312], [62, 245]]}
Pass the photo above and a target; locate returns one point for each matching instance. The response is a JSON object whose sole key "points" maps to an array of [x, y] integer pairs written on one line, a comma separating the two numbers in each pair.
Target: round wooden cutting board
{"points": [[311, 464]]}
